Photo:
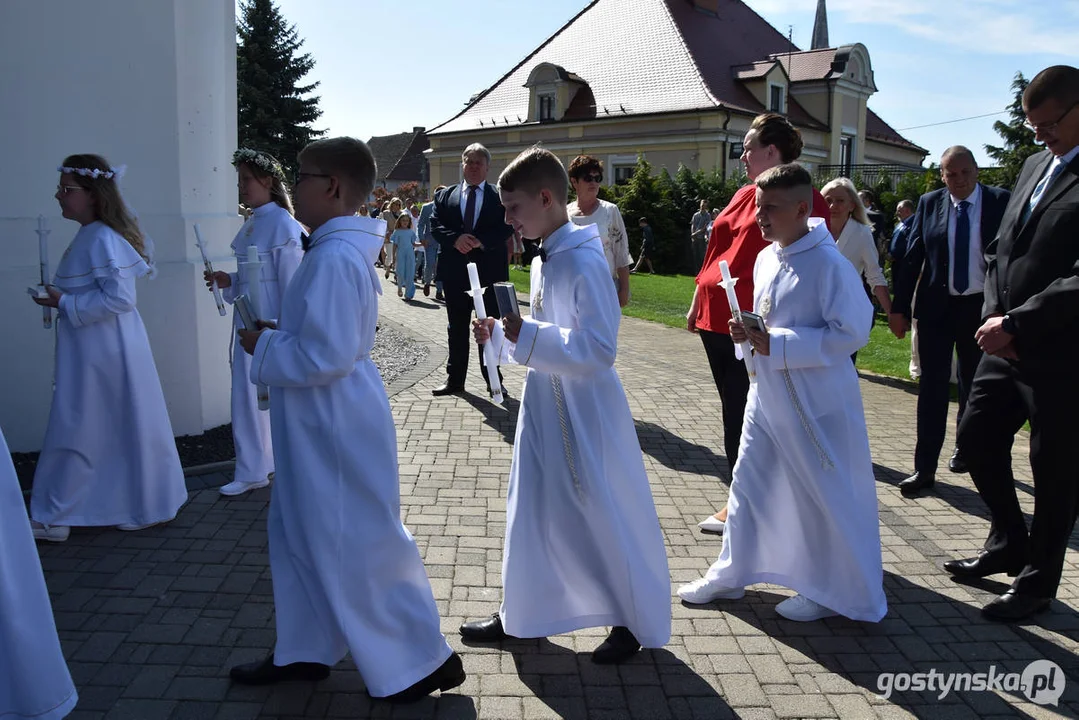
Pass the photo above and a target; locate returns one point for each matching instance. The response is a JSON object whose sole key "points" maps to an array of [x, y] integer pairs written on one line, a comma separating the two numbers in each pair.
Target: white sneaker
{"points": [[712, 524], [702, 592], [52, 533], [237, 487], [132, 527], [801, 609]]}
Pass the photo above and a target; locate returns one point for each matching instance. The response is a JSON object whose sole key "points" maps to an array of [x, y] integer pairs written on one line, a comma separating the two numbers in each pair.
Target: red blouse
{"points": [[736, 238]]}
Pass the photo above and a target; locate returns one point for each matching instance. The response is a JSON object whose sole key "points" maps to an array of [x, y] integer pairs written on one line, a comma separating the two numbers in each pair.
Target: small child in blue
{"points": [[405, 242]]}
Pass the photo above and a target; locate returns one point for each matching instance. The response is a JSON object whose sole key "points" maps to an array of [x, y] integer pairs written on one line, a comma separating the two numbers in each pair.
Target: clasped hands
{"points": [[250, 338], [993, 340], [511, 326], [758, 340], [466, 243]]}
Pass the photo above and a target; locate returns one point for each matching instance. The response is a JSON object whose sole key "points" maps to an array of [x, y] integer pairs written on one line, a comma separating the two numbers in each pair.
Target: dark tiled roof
{"points": [[642, 57], [400, 156], [877, 129], [808, 64]]}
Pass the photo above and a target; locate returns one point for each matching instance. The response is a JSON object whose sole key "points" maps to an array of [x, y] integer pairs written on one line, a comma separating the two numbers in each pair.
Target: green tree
{"points": [[274, 111], [1018, 141]]}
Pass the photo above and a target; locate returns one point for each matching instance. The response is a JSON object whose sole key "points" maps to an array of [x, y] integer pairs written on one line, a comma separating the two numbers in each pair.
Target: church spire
{"points": [[820, 27]]}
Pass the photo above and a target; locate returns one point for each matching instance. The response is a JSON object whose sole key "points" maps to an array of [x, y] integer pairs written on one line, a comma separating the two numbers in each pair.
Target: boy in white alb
{"points": [[803, 503], [583, 545], [347, 576]]}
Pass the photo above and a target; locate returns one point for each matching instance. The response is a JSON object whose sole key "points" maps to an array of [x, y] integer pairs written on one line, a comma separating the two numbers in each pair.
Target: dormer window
{"points": [[552, 90], [777, 101], [546, 107]]}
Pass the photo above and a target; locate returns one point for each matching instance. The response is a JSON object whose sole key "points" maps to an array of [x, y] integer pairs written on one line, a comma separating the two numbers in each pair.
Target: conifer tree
{"points": [[275, 111], [1018, 141]]}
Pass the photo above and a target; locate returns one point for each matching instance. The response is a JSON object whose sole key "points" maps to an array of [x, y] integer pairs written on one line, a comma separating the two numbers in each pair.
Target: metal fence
{"points": [[869, 174]]}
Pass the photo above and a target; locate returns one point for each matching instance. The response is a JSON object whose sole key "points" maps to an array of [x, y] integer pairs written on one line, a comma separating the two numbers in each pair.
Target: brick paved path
{"points": [[151, 621]]}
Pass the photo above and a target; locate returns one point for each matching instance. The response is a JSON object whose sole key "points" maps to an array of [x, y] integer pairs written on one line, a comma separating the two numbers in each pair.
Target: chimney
{"points": [[418, 128], [709, 6], [820, 27]]}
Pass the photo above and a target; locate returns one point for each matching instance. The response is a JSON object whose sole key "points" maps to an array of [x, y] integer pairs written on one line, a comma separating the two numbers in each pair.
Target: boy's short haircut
{"points": [[348, 159], [533, 170], [791, 176]]}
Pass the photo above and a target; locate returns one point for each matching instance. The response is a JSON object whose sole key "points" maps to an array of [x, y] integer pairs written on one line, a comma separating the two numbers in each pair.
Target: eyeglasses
{"points": [[65, 189], [1050, 126], [592, 177], [298, 177]]}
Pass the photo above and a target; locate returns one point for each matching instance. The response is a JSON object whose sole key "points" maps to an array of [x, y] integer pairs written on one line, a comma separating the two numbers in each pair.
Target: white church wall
{"points": [[151, 85]]}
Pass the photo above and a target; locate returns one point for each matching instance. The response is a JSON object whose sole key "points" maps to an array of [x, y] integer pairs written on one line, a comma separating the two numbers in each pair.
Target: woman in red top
{"points": [[737, 238]]}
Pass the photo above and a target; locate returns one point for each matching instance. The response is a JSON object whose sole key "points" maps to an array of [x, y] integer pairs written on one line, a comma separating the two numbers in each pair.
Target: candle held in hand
{"points": [[728, 284]]}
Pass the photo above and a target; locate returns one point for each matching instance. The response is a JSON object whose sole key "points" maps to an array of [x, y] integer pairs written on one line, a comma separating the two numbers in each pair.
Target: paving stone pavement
{"points": [[151, 621]]}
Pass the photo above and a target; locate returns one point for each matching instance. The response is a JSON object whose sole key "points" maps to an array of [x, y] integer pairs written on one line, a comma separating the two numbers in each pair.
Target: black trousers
{"points": [[1001, 399], [459, 312], [732, 381], [951, 326]]}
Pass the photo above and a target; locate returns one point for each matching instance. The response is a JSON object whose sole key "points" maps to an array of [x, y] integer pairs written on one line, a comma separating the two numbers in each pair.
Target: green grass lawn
{"points": [[665, 299]]}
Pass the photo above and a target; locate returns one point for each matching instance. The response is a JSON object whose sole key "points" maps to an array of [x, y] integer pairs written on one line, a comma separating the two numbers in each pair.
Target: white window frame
{"points": [[614, 162], [550, 97], [782, 98]]}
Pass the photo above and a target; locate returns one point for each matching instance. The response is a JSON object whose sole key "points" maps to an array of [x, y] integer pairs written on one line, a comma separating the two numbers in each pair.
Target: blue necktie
{"points": [[1042, 186], [961, 271], [470, 209]]}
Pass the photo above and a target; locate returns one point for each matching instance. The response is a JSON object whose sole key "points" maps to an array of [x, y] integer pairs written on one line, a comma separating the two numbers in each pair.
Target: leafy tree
{"points": [[1018, 141], [275, 111]]}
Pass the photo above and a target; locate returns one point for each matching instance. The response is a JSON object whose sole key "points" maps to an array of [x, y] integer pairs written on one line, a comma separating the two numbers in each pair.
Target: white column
{"points": [[151, 85]]}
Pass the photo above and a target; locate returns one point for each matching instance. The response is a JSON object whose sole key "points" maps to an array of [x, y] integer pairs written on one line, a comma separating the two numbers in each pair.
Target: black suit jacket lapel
{"points": [[1064, 180], [942, 222]]}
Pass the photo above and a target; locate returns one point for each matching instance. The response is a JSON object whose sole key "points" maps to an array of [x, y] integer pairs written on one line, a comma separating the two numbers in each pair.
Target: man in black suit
{"points": [[953, 228], [469, 223], [1031, 340], [897, 249]]}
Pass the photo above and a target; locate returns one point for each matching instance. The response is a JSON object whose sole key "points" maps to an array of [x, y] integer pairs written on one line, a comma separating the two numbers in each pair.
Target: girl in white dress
{"points": [[34, 679], [274, 231], [109, 457]]}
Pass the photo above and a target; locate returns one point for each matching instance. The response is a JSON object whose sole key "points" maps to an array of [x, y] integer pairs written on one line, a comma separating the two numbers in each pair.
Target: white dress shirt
{"points": [[976, 257], [480, 189]]}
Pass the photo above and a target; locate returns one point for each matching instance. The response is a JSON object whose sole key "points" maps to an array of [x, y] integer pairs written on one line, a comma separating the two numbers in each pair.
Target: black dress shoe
{"points": [[1012, 606], [957, 464], [486, 630], [912, 486], [619, 646], [265, 672], [984, 565], [448, 676], [448, 389]]}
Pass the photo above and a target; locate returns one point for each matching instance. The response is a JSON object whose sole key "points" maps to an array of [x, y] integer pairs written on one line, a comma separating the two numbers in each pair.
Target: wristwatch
{"points": [[1007, 324]]}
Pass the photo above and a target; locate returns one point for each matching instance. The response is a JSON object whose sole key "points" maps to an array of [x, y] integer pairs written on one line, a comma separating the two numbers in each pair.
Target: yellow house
{"points": [[678, 81]]}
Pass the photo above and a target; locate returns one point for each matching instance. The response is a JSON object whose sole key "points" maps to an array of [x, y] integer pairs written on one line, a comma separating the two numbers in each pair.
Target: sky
{"points": [[385, 68]]}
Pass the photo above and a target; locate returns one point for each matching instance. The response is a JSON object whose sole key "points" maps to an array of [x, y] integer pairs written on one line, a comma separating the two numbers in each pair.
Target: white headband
{"points": [[113, 172]]}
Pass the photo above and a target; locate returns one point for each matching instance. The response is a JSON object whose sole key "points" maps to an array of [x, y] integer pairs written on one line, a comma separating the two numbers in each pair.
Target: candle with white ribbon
{"points": [[490, 355], [728, 284], [210, 269], [43, 254], [252, 270]]}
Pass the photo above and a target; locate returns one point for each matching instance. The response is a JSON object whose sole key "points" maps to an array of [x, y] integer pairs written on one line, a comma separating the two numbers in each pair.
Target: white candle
{"points": [[728, 284], [490, 355], [218, 299], [43, 263]]}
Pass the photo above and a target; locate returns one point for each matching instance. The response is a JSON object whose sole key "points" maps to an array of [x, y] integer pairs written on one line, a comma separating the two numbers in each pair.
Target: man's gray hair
{"points": [[476, 148], [905, 204]]}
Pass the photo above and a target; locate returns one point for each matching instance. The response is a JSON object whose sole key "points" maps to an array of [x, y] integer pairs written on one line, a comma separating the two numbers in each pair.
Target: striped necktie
{"points": [[1039, 190]]}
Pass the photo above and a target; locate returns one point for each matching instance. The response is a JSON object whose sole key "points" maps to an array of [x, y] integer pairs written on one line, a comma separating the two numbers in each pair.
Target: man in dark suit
{"points": [[897, 249], [953, 228], [1031, 339], [469, 224]]}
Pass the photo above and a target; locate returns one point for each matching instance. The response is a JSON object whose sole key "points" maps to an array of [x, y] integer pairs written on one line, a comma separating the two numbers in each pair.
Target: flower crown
{"points": [[263, 161], [112, 172]]}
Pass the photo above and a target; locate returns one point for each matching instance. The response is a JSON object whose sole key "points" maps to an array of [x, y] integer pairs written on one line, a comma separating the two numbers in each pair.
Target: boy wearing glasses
{"points": [[347, 576], [586, 177]]}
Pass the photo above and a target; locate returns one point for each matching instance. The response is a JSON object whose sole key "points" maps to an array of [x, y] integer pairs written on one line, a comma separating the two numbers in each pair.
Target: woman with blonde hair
{"points": [[109, 456], [404, 240], [275, 234], [853, 234]]}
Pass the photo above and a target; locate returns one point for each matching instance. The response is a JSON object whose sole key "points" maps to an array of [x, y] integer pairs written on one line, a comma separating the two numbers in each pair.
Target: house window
{"points": [[846, 154], [776, 99], [623, 174], [546, 108]]}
